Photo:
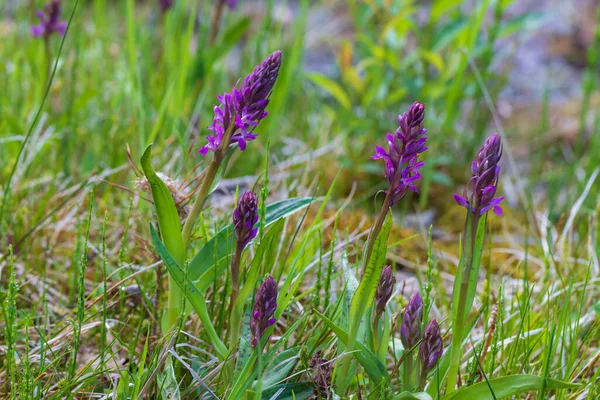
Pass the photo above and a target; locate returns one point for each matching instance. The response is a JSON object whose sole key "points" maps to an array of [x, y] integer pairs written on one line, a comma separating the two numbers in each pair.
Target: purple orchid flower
{"points": [[49, 21], [484, 181], [243, 108], [404, 148]]}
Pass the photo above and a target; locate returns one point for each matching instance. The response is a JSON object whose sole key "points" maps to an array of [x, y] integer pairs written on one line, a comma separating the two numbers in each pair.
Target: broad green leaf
{"points": [[289, 391], [221, 246], [366, 358], [333, 88], [412, 396], [368, 284], [193, 294], [168, 219], [169, 389], [507, 386]]}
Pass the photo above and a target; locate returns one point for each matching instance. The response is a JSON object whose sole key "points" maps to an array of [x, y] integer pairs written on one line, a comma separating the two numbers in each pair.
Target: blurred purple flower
{"points": [[245, 107], [165, 5], [265, 305], [431, 348], [404, 147], [485, 171], [245, 217], [232, 4], [384, 289], [49, 21], [410, 329]]}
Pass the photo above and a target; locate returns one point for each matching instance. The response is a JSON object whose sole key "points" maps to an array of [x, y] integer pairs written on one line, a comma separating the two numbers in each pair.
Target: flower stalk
{"points": [[209, 177], [484, 182]]}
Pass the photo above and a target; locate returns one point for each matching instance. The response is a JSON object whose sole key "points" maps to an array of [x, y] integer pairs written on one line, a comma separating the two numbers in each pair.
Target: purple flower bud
{"points": [[384, 289], [244, 108], [265, 305], [404, 148], [431, 348], [49, 21], [484, 181], [410, 330], [165, 5], [245, 217]]}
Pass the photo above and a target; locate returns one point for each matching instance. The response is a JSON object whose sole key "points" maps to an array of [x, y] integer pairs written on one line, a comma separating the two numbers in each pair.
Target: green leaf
{"points": [[368, 284], [507, 386], [476, 263], [221, 246], [168, 219], [244, 352], [366, 358], [193, 294], [412, 396], [280, 366], [168, 383], [332, 88], [289, 391]]}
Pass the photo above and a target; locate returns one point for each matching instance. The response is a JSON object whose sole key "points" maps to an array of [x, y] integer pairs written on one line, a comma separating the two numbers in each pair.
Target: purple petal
{"points": [[461, 201], [37, 30], [61, 28]]}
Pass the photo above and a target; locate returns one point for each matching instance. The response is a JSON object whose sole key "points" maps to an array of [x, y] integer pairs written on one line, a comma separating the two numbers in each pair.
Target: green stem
{"points": [[385, 208], [459, 317], [216, 22], [408, 372], [422, 378], [235, 275], [209, 177], [375, 333]]}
